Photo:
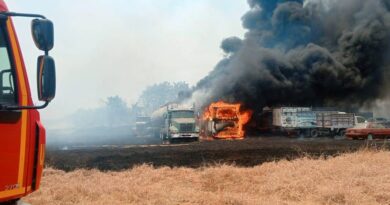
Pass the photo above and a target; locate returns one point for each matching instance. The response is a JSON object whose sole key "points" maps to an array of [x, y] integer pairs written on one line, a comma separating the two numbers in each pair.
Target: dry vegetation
{"points": [[358, 178]]}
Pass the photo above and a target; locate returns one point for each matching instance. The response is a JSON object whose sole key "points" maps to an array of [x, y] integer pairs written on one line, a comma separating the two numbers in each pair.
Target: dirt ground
{"points": [[243, 153]]}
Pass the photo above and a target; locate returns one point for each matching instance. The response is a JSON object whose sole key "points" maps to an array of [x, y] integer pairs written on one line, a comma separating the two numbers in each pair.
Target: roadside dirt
{"points": [[244, 153]]}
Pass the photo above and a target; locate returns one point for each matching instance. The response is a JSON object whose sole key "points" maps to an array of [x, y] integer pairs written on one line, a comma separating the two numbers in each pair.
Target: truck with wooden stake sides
{"points": [[314, 122], [22, 135]]}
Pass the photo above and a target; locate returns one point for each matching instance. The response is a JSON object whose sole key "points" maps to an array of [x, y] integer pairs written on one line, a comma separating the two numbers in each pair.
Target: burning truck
{"points": [[222, 120]]}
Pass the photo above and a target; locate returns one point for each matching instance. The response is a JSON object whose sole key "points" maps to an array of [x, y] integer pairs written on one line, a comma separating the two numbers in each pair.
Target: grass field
{"points": [[357, 178]]}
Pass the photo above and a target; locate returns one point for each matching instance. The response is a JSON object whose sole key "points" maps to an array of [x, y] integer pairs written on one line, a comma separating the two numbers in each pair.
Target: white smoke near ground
{"points": [[113, 122]]}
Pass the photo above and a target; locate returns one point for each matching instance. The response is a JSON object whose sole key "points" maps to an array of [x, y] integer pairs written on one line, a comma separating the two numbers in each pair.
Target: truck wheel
{"points": [[301, 133], [17, 202], [370, 137], [342, 134], [166, 142], [314, 133]]}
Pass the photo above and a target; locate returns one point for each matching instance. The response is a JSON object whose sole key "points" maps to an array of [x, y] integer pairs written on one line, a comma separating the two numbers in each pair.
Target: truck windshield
{"points": [[7, 86], [142, 119], [183, 114]]}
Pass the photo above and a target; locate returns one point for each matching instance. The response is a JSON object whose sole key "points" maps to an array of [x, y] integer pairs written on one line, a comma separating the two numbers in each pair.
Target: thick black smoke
{"points": [[306, 53]]}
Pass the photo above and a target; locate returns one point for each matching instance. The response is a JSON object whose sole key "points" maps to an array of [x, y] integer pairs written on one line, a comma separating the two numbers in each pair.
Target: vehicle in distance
{"points": [[369, 131], [142, 126], [314, 122], [174, 123]]}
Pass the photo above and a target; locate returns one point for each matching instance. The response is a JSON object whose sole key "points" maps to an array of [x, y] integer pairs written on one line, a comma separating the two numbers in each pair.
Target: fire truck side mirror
{"points": [[43, 34], [46, 78]]}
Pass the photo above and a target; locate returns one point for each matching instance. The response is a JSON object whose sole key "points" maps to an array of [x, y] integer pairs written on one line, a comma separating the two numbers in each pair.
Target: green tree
{"points": [[159, 94], [117, 111]]}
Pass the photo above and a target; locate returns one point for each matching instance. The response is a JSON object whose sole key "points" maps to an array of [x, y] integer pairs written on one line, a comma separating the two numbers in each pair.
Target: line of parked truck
{"points": [[175, 122]]}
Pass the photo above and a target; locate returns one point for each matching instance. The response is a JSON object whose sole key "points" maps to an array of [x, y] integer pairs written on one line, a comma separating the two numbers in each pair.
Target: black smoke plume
{"points": [[305, 53]]}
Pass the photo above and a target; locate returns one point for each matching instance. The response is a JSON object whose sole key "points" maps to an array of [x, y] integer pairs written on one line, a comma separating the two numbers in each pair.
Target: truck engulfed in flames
{"points": [[223, 120]]}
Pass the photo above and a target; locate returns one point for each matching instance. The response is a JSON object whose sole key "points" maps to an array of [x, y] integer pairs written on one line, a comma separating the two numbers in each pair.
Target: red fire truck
{"points": [[22, 136]]}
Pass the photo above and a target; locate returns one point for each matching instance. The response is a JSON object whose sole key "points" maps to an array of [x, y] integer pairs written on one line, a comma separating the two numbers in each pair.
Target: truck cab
{"points": [[22, 135], [180, 125], [223, 120]]}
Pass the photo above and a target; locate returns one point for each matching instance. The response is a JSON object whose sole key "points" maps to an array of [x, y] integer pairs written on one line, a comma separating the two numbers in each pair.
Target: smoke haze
{"points": [[295, 52], [107, 48], [313, 53]]}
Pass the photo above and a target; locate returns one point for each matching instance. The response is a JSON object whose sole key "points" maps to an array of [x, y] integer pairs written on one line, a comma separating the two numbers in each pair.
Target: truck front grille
{"points": [[186, 127]]}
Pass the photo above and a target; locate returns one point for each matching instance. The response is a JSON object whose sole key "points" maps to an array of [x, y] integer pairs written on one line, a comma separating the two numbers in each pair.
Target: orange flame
{"points": [[231, 118]]}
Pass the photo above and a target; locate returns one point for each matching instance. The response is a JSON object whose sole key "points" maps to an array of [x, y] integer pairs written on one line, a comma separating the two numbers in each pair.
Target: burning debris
{"points": [[225, 121], [304, 53]]}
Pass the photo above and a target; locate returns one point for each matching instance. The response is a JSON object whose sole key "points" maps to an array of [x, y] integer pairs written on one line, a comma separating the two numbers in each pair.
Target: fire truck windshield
{"points": [[7, 86]]}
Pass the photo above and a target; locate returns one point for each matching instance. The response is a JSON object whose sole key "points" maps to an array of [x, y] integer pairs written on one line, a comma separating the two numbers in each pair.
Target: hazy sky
{"points": [[105, 48]]}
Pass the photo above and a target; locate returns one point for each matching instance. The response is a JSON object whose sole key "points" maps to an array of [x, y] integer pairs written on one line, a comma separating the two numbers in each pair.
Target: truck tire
{"points": [[370, 137], [303, 133], [166, 142], [339, 134], [342, 134], [164, 139], [14, 202], [314, 133]]}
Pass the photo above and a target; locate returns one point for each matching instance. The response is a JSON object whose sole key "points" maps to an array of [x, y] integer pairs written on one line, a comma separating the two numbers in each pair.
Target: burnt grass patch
{"points": [[244, 153]]}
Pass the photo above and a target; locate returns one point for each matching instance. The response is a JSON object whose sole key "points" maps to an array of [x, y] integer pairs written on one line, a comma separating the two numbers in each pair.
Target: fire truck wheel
{"points": [[17, 202]]}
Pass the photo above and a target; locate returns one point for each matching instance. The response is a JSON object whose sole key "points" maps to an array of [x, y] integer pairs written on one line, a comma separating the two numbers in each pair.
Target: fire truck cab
{"points": [[22, 136]]}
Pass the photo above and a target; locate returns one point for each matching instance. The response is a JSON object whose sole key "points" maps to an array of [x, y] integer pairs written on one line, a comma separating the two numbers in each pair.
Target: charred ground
{"points": [[246, 153]]}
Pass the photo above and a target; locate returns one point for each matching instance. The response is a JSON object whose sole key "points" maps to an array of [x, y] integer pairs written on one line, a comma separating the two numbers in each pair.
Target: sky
{"points": [[106, 48]]}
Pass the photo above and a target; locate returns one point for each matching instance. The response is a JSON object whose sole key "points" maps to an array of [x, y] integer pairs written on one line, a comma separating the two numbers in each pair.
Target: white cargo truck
{"points": [[175, 123], [313, 122]]}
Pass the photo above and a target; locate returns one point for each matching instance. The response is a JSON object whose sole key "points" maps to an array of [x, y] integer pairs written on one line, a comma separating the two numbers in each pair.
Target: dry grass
{"points": [[359, 178]]}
